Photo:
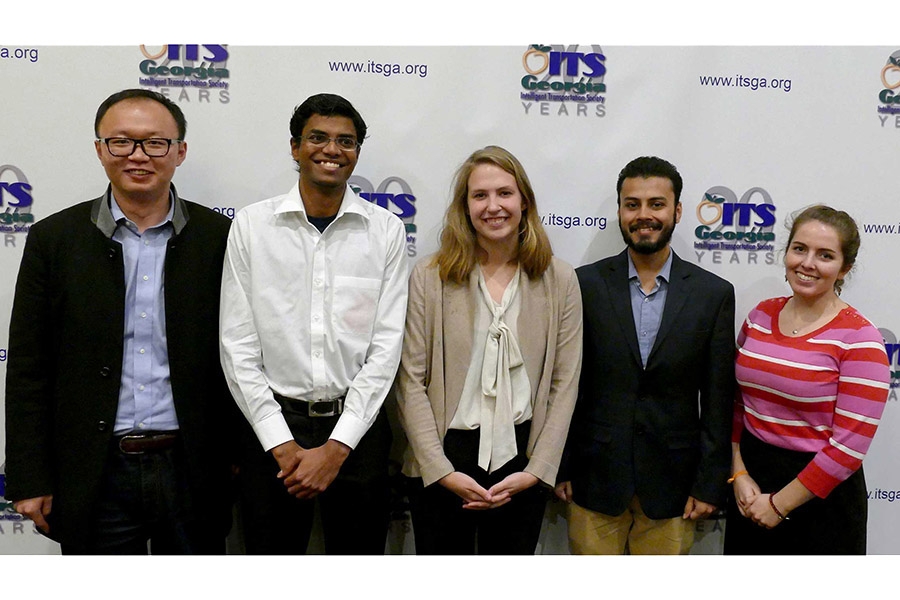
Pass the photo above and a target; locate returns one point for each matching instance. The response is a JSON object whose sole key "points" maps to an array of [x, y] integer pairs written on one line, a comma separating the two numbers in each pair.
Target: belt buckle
{"points": [[130, 437], [334, 407]]}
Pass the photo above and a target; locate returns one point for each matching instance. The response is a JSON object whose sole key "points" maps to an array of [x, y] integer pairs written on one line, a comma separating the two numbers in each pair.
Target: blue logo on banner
{"points": [[402, 202], [892, 347], [727, 223], [15, 202], [563, 80], [186, 67]]}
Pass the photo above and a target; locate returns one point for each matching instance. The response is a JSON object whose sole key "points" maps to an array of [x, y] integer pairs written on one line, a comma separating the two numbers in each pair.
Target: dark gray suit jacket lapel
{"points": [[617, 283], [676, 296]]}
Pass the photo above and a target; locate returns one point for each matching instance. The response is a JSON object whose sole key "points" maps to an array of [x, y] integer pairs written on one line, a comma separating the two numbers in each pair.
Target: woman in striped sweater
{"points": [[814, 378]]}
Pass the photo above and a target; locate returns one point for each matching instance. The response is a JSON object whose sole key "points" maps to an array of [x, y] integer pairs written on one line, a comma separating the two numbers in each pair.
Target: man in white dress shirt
{"points": [[313, 304]]}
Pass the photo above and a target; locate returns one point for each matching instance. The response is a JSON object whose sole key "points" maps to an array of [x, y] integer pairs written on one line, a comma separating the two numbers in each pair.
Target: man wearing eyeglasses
{"points": [[313, 306], [116, 406]]}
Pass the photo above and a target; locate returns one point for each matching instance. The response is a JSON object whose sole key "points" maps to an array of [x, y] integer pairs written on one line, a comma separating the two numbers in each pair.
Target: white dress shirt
{"points": [[311, 315]]}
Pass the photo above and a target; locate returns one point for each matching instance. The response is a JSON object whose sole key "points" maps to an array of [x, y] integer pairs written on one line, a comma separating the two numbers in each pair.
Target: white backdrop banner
{"points": [[756, 132]]}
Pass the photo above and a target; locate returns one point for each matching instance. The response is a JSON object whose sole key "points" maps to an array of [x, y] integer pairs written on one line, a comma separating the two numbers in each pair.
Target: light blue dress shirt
{"points": [[146, 402], [647, 308]]}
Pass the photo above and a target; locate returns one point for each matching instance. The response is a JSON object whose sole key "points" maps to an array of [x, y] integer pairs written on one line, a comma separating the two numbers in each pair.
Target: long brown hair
{"points": [[458, 253]]}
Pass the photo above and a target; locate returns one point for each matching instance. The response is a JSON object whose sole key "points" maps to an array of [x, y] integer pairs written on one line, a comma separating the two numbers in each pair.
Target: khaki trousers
{"points": [[595, 533]]}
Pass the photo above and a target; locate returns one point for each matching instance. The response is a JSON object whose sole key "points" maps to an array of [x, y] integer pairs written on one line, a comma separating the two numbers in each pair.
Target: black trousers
{"points": [[145, 505], [832, 525], [442, 526], [354, 508]]}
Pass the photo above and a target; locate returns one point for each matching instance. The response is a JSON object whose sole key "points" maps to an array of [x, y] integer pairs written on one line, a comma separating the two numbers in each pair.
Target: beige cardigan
{"points": [[437, 349]]}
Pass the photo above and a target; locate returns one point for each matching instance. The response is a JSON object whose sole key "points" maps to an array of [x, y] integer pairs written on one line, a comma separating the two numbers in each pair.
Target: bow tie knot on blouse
{"points": [[503, 379]]}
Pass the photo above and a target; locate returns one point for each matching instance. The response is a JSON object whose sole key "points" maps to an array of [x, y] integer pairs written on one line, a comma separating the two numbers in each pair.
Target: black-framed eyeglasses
{"points": [[123, 146], [319, 140]]}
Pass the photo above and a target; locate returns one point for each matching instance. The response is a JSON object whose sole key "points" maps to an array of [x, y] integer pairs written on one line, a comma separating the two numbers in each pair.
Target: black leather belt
{"points": [[141, 443], [316, 408]]}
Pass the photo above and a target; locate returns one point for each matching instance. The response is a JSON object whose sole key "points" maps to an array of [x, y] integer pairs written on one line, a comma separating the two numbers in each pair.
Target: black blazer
{"points": [[65, 361], [661, 433]]}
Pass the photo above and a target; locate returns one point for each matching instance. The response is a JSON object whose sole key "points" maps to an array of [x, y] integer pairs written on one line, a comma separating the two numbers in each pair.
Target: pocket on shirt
{"points": [[354, 302]]}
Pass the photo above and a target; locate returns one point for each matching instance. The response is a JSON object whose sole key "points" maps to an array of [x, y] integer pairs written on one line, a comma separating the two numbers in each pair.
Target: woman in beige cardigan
{"points": [[490, 365]]}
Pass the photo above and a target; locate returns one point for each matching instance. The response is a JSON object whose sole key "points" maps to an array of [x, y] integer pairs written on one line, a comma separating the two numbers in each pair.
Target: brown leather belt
{"points": [[140, 443]]}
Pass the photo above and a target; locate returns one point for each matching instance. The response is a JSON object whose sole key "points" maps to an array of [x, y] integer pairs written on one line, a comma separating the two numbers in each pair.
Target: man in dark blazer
{"points": [[117, 412], [648, 450]]}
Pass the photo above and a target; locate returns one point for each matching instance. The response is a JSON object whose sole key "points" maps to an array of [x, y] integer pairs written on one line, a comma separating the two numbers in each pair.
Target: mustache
{"points": [[655, 225]]}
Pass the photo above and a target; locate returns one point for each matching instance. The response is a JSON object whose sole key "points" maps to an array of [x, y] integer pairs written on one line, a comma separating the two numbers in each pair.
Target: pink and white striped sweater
{"points": [[823, 392]]}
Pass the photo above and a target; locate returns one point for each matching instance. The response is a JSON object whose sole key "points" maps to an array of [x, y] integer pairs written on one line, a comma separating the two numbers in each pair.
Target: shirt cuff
{"points": [[273, 431], [817, 480], [349, 430]]}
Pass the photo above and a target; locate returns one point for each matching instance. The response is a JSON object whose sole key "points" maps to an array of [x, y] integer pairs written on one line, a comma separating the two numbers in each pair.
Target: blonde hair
{"points": [[458, 252]]}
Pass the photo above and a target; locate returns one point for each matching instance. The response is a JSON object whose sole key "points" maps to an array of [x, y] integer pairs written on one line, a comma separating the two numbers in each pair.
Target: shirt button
{"points": [[141, 350], [146, 277], [143, 315], [141, 387], [140, 425]]}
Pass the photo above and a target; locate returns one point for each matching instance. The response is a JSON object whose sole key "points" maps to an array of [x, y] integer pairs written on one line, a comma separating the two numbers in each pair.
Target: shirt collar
{"points": [[102, 213], [350, 203], [118, 215], [664, 273]]}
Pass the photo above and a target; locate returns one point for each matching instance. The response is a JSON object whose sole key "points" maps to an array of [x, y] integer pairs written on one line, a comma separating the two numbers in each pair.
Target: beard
{"points": [[646, 246]]}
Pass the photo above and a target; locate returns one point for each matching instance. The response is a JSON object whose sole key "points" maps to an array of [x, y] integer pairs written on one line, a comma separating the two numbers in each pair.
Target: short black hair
{"points": [[173, 108], [327, 105], [650, 166]]}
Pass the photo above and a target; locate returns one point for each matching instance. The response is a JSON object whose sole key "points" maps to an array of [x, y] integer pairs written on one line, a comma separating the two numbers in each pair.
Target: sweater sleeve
{"points": [[863, 387], [415, 408], [737, 424], [544, 460]]}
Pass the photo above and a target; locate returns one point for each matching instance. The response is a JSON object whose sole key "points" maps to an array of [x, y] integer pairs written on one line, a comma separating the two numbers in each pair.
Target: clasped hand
{"points": [[476, 497], [753, 504], [308, 472]]}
